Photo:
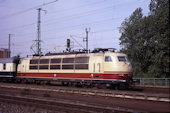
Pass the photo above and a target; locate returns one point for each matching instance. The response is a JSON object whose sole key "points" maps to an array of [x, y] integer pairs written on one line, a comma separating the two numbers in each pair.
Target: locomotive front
{"points": [[118, 68]]}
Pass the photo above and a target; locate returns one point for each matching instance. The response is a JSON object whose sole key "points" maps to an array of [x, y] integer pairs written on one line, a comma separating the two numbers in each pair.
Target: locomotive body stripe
{"points": [[117, 72], [75, 76], [7, 74]]}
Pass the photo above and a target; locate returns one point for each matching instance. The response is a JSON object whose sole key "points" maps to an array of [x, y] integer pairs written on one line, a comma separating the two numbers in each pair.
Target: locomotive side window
{"points": [[33, 67], [122, 59], [68, 60], [108, 59], [56, 60], [82, 60], [81, 63], [44, 61], [54, 67], [35, 61], [81, 66], [43, 67], [34, 64], [67, 66]]}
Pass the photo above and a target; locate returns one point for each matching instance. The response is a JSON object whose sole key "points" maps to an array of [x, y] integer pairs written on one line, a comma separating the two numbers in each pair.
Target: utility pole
{"points": [[38, 41], [68, 45], [86, 38], [9, 44]]}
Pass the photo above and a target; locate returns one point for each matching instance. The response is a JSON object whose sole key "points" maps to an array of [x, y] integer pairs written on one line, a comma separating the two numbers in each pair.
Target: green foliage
{"points": [[145, 39]]}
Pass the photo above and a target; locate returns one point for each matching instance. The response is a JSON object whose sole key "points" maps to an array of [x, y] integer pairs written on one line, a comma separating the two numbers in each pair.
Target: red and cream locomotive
{"points": [[97, 67]]}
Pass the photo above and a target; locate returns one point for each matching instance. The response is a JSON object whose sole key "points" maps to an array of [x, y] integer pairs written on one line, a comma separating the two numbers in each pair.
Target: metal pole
{"points": [[86, 39], [39, 32], [9, 45]]}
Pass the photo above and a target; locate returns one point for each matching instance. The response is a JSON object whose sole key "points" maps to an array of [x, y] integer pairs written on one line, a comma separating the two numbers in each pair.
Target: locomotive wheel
{"points": [[101, 86], [18, 81], [48, 82], [37, 82], [65, 83], [79, 84], [122, 86], [88, 85]]}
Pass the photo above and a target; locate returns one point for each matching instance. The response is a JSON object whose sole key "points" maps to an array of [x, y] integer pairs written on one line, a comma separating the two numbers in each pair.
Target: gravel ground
{"points": [[137, 105], [13, 108]]}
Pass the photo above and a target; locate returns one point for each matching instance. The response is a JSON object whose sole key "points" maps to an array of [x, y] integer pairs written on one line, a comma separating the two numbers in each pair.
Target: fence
{"points": [[152, 81]]}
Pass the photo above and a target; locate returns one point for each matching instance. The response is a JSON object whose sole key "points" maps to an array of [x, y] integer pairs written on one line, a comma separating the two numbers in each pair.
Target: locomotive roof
{"points": [[96, 50], [9, 60], [74, 55], [68, 55]]}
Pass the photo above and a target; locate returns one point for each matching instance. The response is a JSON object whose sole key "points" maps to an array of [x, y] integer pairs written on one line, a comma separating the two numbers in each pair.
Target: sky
{"points": [[63, 19]]}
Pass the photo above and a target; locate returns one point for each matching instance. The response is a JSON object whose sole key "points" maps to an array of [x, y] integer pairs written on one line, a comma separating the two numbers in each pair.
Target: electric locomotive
{"points": [[97, 67]]}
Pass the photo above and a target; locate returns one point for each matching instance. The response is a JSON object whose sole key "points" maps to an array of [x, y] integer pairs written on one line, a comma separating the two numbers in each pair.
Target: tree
{"points": [[159, 10], [145, 39]]}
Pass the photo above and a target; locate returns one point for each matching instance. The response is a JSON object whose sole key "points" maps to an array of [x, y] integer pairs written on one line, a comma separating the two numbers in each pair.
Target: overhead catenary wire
{"points": [[81, 6], [105, 30], [44, 23], [89, 23], [76, 41], [58, 19], [55, 30], [44, 4], [26, 10], [20, 27], [71, 27], [65, 17], [86, 13], [73, 35]]}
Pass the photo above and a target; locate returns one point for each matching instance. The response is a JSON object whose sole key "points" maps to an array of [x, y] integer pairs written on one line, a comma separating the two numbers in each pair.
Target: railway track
{"points": [[72, 100], [60, 105], [104, 93]]}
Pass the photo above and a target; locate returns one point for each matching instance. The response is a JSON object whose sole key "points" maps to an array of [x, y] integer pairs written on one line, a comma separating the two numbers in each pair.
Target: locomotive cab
{"points": [[117, 66], [117, 62]]}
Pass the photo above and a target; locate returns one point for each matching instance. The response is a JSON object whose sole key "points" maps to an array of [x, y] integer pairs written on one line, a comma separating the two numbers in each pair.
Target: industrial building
{"points": [[4, 53]]}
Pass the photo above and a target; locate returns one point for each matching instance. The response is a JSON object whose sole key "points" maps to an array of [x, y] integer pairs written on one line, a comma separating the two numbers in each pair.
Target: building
{"points": [[4, 53]]}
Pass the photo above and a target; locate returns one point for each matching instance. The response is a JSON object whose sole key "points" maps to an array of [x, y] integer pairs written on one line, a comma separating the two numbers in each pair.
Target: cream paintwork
{"points": [[96, 64], [116, 66], [10, 67]]}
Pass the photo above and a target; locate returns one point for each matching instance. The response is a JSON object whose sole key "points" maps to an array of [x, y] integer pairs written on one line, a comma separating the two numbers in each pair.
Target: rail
{"points": [[152, 81], [115, 94], [60, 106]]}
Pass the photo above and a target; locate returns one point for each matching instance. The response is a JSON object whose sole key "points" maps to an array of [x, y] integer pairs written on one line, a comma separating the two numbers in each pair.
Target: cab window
{"points": [[108, 59], [122, 59]]}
